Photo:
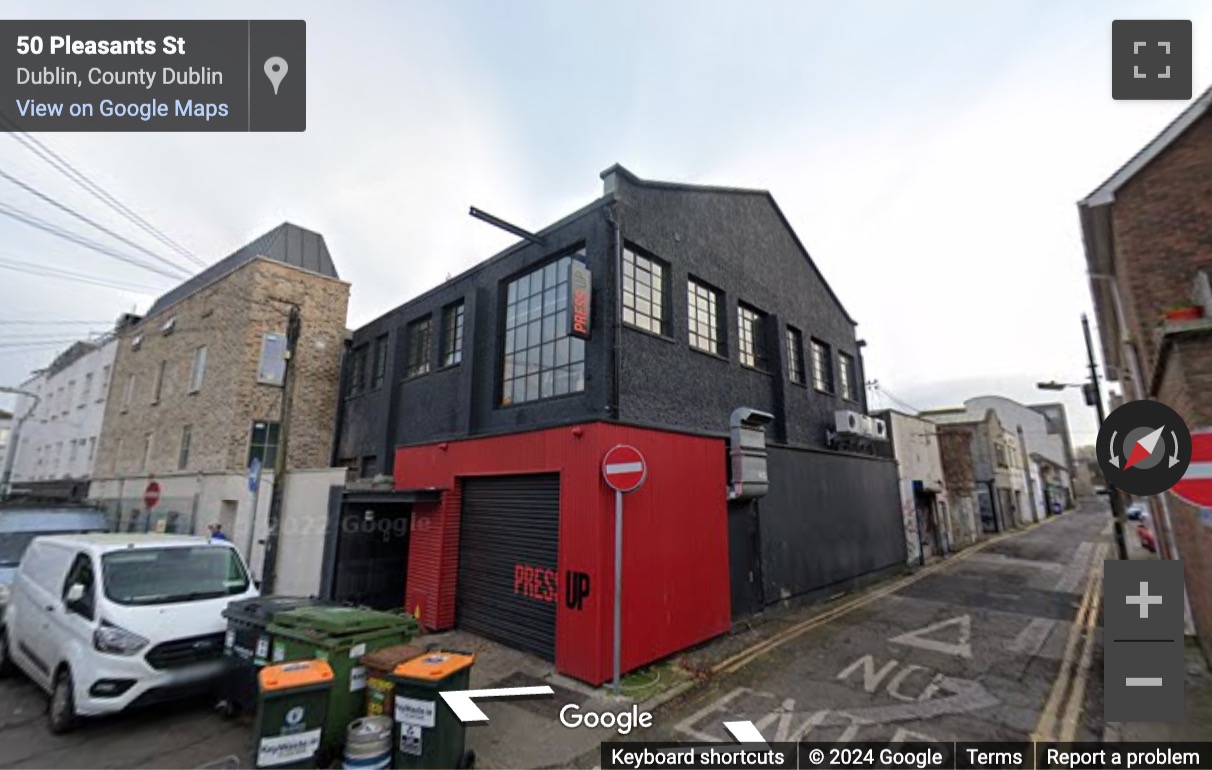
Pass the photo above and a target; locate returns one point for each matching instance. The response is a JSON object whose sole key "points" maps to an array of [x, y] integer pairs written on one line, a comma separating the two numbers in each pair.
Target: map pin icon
{"points": [[275, 70]]}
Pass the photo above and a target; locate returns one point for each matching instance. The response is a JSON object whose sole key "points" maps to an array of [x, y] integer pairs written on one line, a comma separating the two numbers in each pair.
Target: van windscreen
{"points": [[171, 575]]}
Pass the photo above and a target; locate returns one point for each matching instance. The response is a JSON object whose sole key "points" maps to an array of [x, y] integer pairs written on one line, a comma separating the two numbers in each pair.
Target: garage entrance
{"points": [[508, 554]]}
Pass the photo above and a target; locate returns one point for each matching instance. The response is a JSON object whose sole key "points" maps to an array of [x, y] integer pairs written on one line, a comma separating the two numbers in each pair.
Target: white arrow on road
{"points": [[460, 700], [745, 732]]}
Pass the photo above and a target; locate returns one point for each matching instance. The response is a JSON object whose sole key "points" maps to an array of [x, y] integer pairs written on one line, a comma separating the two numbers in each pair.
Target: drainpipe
{"points": [[612, 216]]}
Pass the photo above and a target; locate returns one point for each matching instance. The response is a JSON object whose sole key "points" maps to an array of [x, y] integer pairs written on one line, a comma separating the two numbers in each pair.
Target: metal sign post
{"points": [[624, 470]]}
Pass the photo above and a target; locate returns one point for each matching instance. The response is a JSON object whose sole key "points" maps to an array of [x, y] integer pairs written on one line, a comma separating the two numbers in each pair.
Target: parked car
{"points": [[104, 622], [19, 526], [1136, 512], [1145, 536]]}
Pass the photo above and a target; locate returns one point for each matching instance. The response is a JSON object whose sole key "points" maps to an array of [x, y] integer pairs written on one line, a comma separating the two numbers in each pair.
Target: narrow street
{"points": [[968, 652]]}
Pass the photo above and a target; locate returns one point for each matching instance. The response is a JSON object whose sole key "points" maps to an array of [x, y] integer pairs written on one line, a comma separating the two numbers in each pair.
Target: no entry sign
{"points": [[1196, 484], [624, 468], [151, 495]]}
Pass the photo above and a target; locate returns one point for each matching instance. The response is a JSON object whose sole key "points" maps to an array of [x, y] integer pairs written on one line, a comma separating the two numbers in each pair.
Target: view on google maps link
{"points": [[795, 384]]}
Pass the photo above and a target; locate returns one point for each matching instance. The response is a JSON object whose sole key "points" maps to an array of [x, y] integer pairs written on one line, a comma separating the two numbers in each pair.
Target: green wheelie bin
{"points": [[291, 713], [341, 636], [428, 734], [247, 646]]}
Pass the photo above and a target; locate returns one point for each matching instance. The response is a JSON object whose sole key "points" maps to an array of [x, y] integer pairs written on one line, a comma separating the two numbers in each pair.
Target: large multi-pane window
{"points": [[417, 337], [703, 317], [643, 292], [822, 367], [845, 377], [357, 370], [751, 337], [795, 356], [452, 334], [541, 359]]}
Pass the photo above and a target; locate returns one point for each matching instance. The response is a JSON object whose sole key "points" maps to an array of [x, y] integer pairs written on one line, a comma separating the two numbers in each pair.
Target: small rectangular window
{"points": [[845, 377], [128, 395], [643, 292], [356, 371], [183, 453], [417, 336], [703, 317], [159, 382], [104, 383], [452, 334], [795, 356], [271, 369], [86, 391], [378, 368], [822, 367], [751, 337], [263, 444], [148, 446], [198, 373], [92, 448]]}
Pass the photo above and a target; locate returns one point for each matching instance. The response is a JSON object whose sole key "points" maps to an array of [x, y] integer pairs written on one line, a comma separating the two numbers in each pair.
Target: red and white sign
{"points": [[1196, 484], [624, 468], [151, 495]]}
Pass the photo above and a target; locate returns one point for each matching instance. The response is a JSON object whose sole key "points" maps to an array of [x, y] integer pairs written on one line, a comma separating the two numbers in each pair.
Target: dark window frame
{"points": [[699, 292], [357, 370], [262, 449], [796, 371], [378, 362], [638, 262], [539, 359], [822, 367], [187, 435], [454, 318], [418, 342], [751, 338], [847, 387]]}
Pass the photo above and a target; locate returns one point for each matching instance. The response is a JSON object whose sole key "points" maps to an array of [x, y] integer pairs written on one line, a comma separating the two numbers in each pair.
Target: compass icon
{"points": [[1144, 447]]}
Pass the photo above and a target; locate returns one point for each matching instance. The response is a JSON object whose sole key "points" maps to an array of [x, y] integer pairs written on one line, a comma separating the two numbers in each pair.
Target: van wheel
{"points": [[62, 716], [6, 664]]}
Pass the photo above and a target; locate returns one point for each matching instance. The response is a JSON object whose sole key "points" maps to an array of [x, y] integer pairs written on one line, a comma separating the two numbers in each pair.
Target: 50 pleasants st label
{"points": [[153, 76]]}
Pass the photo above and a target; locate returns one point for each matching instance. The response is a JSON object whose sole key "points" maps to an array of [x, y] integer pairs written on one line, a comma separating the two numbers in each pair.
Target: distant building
{"points": [[998, 465], [197, 396], [57, 446], [935, 521], [1148, 254]]}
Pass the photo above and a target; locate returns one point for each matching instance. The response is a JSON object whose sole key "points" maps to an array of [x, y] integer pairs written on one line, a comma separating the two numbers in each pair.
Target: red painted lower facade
{"points": [[675, 539]]}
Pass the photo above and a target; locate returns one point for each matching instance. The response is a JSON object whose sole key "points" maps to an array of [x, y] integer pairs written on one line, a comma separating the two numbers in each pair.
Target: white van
{"points": [[105, 622]]}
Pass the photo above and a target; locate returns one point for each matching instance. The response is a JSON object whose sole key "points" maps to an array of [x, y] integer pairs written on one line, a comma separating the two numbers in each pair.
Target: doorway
{"points": [[372, 554]]}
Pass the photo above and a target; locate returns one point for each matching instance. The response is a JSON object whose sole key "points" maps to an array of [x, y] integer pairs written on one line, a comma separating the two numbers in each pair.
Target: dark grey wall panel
{"points": [[828, 519]]}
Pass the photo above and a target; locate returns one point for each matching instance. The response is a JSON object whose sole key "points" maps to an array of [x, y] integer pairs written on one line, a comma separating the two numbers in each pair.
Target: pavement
{"points": [[1000, 642]]}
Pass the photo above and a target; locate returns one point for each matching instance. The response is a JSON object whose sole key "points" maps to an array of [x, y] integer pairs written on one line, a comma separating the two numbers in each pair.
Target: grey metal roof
{"points": [[286, 243]]}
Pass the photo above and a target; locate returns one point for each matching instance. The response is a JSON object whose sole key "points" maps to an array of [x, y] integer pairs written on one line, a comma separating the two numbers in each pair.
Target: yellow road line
{"points": [[747, 656], [1073, 708], [1047, 718]]}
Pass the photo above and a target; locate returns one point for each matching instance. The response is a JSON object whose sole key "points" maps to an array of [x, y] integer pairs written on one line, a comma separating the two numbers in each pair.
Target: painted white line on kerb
{"points": [[624, 468], [1198, 471], [1143, 681]]}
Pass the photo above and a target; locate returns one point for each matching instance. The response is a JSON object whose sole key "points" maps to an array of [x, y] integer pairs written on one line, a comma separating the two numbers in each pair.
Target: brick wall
{"points": [[1186, 386], [1160, 221], [229, 317]]}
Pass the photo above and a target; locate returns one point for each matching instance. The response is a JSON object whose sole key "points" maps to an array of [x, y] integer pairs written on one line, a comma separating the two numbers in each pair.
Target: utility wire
{"points": [[63, 166], [64, 275], [48, 322], [184, 273], [80, 240]]}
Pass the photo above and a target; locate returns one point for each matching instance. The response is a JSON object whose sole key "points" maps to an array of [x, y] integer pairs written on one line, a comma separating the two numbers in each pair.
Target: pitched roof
{"points": [[1105, 193], [286, 243], [682, 187]]}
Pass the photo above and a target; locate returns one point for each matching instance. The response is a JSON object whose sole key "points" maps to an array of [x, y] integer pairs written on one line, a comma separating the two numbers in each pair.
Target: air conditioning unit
{"points": [[879, 429], [848, 422]]}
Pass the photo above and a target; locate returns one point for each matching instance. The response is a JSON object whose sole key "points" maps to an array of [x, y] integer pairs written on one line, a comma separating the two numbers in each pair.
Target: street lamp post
{"points": [[11, 455], [1094, 395]]}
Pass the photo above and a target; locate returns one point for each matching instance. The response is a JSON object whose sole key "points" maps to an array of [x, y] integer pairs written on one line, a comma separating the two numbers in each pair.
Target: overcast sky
{"points": [[929, 154]]}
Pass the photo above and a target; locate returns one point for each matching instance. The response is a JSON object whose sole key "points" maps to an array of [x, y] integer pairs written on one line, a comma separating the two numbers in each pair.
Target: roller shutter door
{"points": [[508, 552]]}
